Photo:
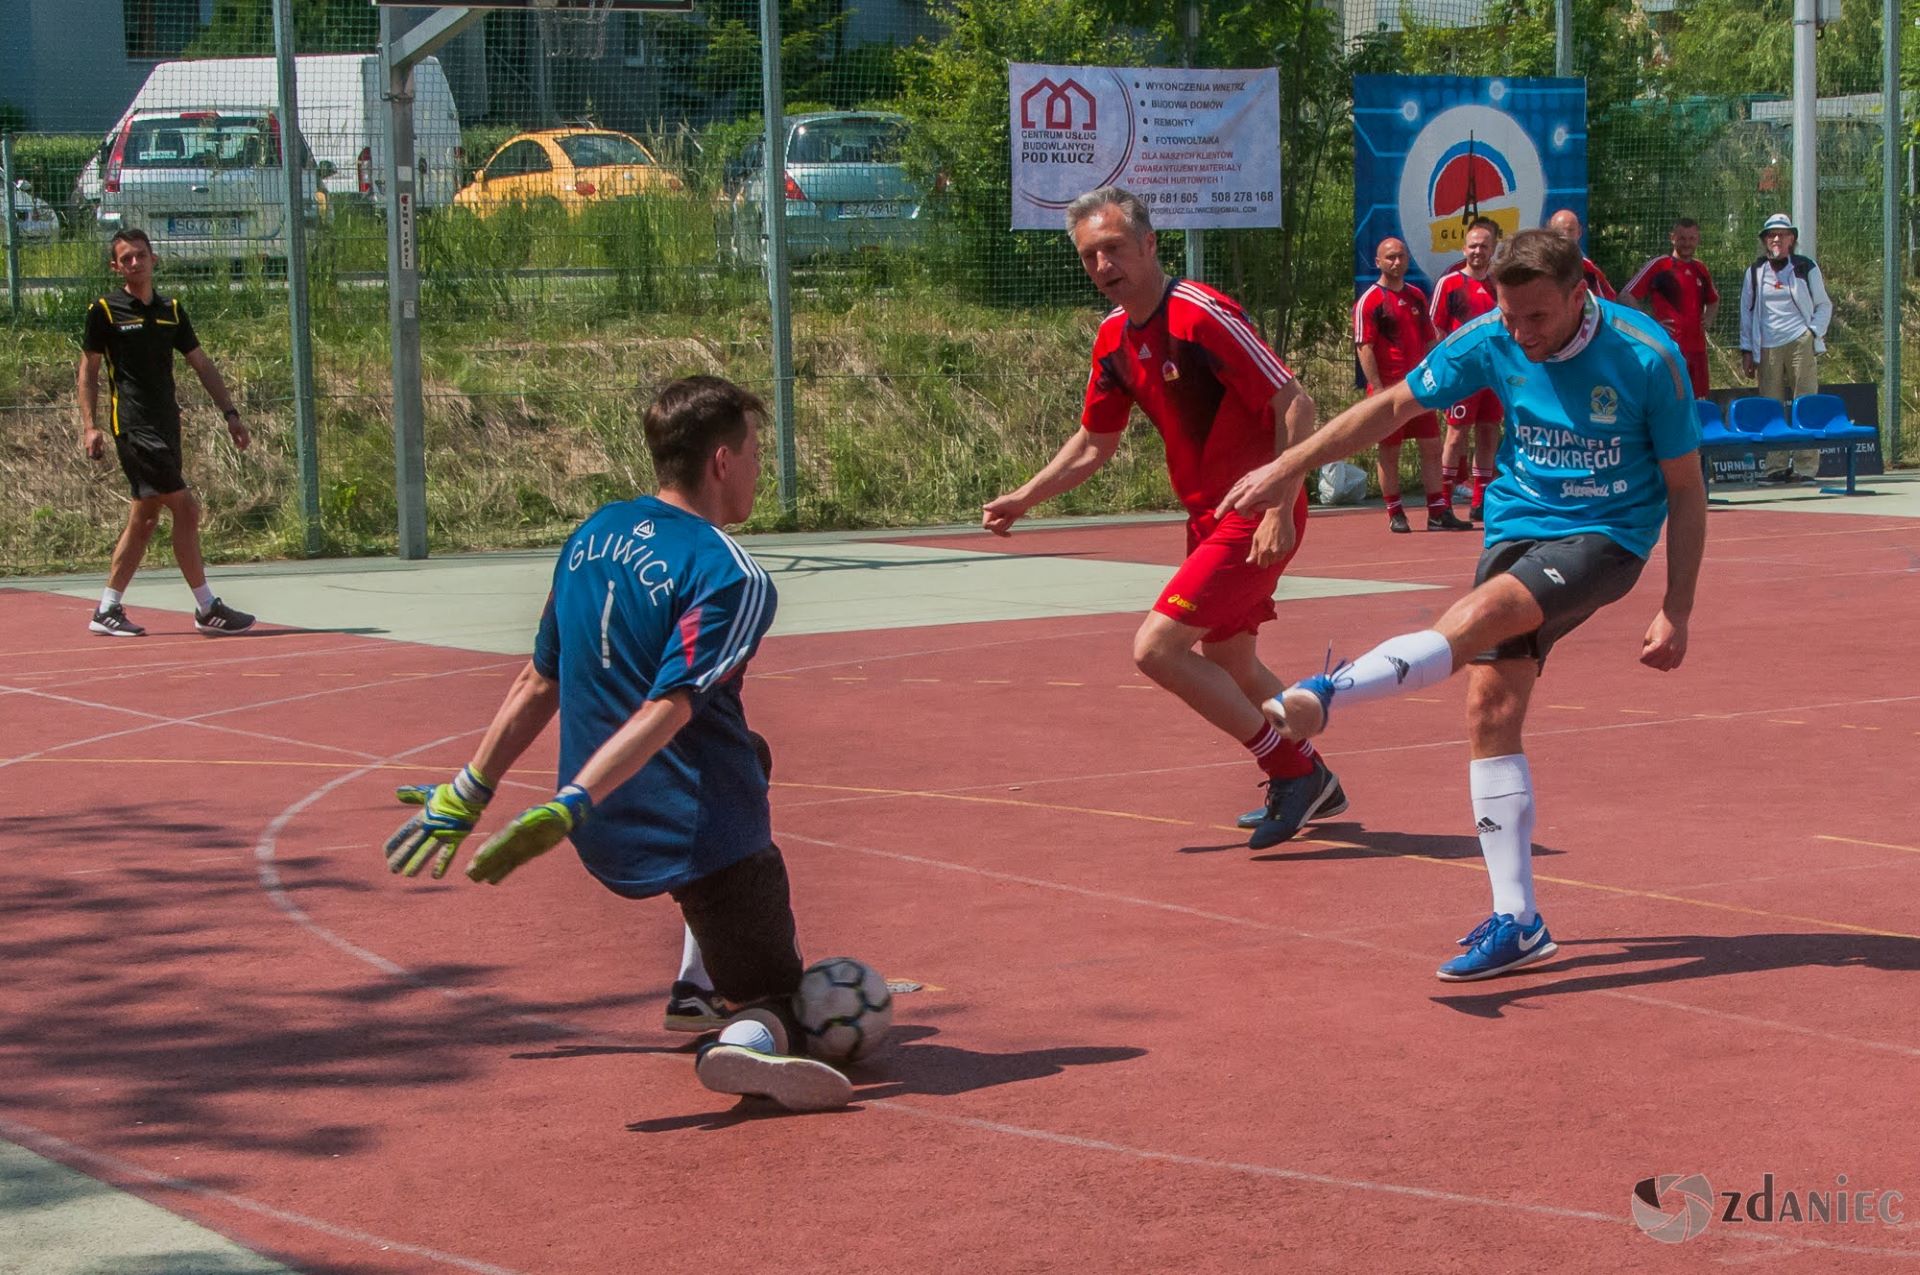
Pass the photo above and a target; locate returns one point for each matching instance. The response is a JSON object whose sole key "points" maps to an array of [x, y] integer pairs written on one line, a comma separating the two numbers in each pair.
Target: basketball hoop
{"points": [[574, 28]]}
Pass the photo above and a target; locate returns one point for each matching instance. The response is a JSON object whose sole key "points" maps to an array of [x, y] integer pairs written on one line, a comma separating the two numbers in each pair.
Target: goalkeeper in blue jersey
{"points": [[646, 635], [1600, 448]]}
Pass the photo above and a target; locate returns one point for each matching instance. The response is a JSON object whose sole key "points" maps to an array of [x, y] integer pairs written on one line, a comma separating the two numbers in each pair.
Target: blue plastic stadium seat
{"points": [[1826, 415], [1823, 418], [1713, 424], [1765, 421]]}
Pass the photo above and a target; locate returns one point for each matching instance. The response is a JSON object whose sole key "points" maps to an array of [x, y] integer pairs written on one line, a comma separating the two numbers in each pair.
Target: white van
{"points": [[342, 115]]}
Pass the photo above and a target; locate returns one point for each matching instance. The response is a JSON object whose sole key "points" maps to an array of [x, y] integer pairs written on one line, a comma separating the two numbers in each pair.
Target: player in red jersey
{"points": [[1460, 296], [1186, 355], [1566, 224], [1677, 289], [1392, 332]]}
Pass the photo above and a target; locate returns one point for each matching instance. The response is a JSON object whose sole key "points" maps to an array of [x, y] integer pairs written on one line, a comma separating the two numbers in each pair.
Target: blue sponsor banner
{"points": [[1433, 151]]}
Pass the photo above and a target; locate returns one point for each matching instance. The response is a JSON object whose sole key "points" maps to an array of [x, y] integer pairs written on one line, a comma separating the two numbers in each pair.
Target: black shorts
{"points": [[1570, 578], [742, 917], [152, 465]]}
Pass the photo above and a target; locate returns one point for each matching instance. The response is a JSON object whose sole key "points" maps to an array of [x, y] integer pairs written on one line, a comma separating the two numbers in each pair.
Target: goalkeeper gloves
{"points": [[448, 814], [531, 835]]}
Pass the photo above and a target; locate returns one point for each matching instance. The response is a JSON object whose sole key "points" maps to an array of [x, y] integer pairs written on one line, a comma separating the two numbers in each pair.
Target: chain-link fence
{"points": [[590, 217]]}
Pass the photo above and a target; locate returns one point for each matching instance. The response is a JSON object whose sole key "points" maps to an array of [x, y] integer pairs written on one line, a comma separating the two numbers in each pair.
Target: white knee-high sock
{"points": [[1398, 666], [693, 966], [1502, 790]]}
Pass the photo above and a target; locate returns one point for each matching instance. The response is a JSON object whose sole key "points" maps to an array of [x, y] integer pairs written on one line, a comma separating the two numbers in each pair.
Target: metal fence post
{"points": [[773, 207], [293, 154], [1893, 269], [13, 227]]}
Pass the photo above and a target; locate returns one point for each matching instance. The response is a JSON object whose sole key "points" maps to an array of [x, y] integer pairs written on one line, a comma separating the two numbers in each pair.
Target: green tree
{"points": [[244, 28]]}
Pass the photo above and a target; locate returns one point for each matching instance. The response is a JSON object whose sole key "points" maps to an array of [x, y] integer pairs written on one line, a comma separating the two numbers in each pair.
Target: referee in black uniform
{"points": [[137, 331]]}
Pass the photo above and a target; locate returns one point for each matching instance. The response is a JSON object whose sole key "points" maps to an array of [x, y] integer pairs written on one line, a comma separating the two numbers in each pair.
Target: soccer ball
{"points": [[844, 1009]]}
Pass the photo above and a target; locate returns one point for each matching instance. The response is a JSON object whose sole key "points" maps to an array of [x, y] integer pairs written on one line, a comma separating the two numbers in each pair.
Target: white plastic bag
{"points": [[1342, 483]]}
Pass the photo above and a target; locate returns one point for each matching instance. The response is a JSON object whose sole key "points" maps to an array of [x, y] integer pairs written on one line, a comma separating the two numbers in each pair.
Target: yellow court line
{"points": [[1642, 712], [920, 679], [216, 761], [1066, 683]]}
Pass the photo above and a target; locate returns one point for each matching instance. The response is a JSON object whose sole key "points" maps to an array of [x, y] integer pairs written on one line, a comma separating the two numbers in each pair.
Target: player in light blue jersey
{"points": [[1600, 448], [654, 614]]}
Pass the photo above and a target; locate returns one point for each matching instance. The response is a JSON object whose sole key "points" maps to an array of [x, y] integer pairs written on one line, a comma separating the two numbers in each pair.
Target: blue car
{"points": [[846, 190]]}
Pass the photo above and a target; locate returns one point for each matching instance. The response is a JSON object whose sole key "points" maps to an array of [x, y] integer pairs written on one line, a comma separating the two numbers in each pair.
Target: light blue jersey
{"points": [[1585, 431], [647, 599]]}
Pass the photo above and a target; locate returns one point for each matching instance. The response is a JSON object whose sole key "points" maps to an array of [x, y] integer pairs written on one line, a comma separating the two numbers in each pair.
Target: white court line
{"points": [[73, 1153]]}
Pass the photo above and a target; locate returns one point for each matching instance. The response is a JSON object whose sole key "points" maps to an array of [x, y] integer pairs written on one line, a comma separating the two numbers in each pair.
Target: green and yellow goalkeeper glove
{"points": [[448, 814], [531, 835]]}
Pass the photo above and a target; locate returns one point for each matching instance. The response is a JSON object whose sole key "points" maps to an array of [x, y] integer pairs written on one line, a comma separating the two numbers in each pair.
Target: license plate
{"points": [[870, 210], [203, 227]]}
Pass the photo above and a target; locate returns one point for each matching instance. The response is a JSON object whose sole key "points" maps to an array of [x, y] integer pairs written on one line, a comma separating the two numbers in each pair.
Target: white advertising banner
{"points": [[1202, 148]]}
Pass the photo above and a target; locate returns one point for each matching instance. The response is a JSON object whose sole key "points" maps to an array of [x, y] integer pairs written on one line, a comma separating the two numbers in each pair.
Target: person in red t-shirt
{"points": [[1566, 224], [1677, 289], [1221, 399], [1460, 296], [1392, 332]]}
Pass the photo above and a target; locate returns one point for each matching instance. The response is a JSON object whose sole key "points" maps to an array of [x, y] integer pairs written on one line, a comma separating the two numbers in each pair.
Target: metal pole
{"points": [[403, 302], [293, 152], [1196, 239], [1806, 167], [1563, 37], [1892, 268], [773, 216], [13, 227]]}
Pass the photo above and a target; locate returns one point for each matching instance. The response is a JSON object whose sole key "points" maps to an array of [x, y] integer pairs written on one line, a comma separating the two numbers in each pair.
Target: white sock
{"points": [[1502, 790], [110, 598], [202, 596], [749, 1033], [1398, 666], [693, 966]]}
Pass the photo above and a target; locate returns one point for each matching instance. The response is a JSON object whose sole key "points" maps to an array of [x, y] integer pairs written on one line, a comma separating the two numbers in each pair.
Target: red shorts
{"points": [[1696, 369], [1216, 588], [1481, 409], [1425, 425]]}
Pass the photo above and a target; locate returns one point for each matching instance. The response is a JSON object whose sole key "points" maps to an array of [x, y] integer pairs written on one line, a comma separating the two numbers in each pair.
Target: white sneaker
{"points": [[798, 1084]]}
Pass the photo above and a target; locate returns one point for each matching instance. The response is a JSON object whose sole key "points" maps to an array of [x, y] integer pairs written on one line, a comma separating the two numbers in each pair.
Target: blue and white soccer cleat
{"points": [[1499, 944]]}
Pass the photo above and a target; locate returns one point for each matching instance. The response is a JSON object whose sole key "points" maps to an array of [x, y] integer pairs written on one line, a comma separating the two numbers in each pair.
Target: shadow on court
{"points": [[912, 1067], [1370, 844], [1655, 960]]}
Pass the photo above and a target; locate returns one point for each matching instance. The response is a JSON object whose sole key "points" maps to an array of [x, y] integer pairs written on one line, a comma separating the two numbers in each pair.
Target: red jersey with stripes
{"points": [[1203, 377], [1596, 279], [1459, 299], [1395, 325], [1678, 293]]}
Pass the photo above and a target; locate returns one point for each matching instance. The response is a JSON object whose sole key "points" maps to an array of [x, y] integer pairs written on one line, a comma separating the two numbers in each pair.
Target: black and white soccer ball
{"points": [[844, 1009]]}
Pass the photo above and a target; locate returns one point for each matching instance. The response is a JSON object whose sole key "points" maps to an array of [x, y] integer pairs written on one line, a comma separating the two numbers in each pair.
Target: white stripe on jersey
{"points": [[1359, 308], [1635, 281], [1682, 383], [746, 621], [1263, 358]]}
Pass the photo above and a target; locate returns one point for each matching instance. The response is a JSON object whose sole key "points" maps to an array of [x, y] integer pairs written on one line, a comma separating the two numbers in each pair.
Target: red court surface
{"points": [[1140, 1046]]}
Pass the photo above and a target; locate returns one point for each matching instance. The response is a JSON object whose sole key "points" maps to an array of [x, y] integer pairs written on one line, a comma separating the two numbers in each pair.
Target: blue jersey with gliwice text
{"points": [[649, 599], [1585, 431]]}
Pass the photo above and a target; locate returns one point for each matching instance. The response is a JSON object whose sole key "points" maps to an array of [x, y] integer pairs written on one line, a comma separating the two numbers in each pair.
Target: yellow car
{"points": [[571, 166]]}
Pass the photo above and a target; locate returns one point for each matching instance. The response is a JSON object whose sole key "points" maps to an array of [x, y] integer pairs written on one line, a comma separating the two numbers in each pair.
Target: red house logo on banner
{"points": [[1057, 107]]}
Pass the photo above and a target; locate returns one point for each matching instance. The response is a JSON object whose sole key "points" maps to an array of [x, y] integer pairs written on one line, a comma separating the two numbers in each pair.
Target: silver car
{"points": [[33, 217], [204, 185], [846, 189]]}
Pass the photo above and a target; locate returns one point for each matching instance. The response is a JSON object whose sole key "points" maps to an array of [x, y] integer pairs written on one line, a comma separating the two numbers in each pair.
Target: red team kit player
{"points": [[1186, 355], [1677, 290], [1460, 296], [1392, 332]]}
